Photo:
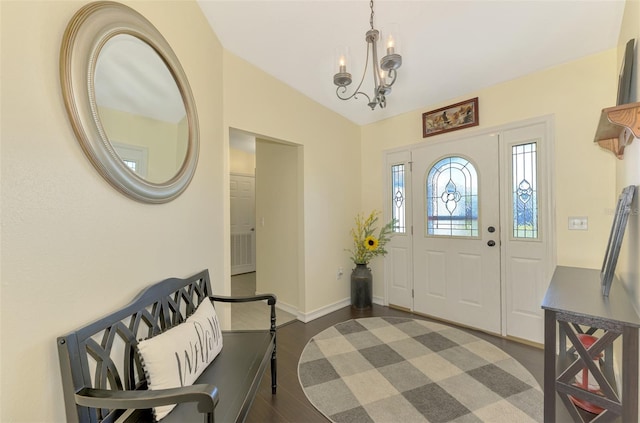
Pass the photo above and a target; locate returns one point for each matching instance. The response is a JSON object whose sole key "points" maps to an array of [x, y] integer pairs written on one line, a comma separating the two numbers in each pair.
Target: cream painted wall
{"points": [[159, 138], [257, 103], [242, 162], [277, 220], [73, 248], [584, 174]]}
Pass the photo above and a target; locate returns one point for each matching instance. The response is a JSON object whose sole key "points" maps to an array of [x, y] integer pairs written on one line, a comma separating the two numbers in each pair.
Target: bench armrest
{"points": [[205, 395], [271, 299]]}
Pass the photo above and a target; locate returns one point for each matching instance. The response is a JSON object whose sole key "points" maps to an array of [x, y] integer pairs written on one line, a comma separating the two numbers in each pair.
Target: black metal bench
{"points": [[104, 381]]}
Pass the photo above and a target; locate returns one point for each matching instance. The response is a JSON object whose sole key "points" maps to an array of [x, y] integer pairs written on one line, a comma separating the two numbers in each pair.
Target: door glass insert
{"points": [[398, 197], [525, 190], [452, 198]]}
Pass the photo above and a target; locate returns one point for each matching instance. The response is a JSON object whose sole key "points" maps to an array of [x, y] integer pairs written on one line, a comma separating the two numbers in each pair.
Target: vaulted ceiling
{"points": [[449, 48]]}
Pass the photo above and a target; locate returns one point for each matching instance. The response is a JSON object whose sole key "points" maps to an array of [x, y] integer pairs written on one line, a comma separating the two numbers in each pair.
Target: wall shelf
{"points": [[614, 121]]}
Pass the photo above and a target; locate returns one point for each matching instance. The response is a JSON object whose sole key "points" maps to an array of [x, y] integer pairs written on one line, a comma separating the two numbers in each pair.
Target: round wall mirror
{"points": [[129, 102]]}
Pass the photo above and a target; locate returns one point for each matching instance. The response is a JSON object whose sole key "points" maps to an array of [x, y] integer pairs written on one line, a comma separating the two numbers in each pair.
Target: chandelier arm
{"points": [[377, 80], [391, 74], [357, 91], [354, 95]]}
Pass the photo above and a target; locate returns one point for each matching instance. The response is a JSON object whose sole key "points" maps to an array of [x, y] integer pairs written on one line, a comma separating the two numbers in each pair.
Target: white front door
{"points": [[243, 223], [456, 240], [439, 260]]}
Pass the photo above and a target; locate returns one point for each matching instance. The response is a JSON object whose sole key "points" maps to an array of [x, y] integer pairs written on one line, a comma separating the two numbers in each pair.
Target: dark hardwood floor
{"points": [[290, 403]]}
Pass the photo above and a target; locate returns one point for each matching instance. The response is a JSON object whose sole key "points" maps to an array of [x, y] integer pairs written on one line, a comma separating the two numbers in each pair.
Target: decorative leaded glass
{"points": [[525, 193], [398, 198], [452, 198]]}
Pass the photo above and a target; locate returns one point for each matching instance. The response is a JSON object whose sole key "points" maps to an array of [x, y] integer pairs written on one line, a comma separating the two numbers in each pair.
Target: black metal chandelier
{"points": [[384, 74]]}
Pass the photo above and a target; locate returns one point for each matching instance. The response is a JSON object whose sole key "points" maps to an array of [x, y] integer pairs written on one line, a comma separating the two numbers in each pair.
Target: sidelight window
{"points": [[525, 190], [398, 197]]}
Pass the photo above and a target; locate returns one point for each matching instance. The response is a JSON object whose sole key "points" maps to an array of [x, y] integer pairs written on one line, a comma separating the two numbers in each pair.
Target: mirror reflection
{"points": [[141, 108]]}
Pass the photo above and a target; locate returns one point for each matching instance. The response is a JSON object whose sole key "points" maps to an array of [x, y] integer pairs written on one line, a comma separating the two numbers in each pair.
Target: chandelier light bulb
{"points": [[391, 45]]}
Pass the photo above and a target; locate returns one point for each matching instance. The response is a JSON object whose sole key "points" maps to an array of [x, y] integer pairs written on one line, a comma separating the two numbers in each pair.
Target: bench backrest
{"points": [[102, 355]]}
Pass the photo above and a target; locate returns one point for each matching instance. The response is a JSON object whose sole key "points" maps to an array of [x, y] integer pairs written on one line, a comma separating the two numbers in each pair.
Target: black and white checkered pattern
{"points": [[386, 369]]}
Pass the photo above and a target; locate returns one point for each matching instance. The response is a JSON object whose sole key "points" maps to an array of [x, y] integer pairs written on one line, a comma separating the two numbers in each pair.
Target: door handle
{"points": [[491, 243]]}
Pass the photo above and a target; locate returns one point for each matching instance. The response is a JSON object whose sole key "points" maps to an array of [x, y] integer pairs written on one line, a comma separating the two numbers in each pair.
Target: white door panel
{"points": [[401, 281], [398, 262], [528, 259], [243, 222], [457, 275]]}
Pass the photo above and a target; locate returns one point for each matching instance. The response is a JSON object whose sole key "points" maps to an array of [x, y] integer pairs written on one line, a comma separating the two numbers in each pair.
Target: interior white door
{"points": [[243, 224], [398, 263], [456, 213]]}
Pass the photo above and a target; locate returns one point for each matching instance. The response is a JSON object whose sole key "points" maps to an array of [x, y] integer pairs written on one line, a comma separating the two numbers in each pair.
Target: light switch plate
{"points": [[578, 223]]}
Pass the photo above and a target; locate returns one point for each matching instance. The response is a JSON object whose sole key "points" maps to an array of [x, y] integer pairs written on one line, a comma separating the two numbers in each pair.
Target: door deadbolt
{"points": [[491, 229]]}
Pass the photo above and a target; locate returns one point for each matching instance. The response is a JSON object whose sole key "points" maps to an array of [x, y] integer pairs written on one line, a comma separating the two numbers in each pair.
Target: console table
{"points": [[574, 304]]}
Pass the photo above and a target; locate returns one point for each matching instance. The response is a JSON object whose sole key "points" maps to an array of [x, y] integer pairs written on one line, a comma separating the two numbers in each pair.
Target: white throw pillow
{"points": [[178, 356]]}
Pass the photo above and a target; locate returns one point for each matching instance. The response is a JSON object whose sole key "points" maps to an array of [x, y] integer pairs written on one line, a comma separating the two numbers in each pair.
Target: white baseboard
{"points": [[288, 308], [323, 311]]}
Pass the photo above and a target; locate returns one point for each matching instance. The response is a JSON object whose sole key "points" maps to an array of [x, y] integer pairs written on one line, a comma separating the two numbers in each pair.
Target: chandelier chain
{"points": [[371, 19]]}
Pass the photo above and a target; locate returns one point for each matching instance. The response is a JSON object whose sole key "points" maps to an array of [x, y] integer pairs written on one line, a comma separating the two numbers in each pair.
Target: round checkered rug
{"points": [[388, 369]]}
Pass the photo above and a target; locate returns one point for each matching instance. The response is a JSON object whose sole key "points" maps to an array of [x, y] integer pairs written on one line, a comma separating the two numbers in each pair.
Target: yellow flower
{"points": [[368, 242], [371, 243]]}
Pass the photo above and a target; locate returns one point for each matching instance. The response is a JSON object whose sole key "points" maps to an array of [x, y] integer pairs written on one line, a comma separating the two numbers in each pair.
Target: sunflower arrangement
{"points": [[366, 242]]}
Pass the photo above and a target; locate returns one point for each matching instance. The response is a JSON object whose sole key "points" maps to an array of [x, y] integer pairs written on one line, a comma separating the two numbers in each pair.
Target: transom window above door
{"points": [[452, 198]]}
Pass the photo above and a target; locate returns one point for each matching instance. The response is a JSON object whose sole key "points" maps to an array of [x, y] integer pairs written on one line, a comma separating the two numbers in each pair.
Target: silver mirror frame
{"points": [[87, 32]]}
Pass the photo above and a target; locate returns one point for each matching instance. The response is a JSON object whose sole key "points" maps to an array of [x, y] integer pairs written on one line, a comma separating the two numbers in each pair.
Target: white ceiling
{"points": [[449, 48]]}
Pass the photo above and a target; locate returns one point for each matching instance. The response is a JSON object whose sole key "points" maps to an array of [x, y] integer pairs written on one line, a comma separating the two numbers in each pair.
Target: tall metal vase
{"points": [[361, 287]]}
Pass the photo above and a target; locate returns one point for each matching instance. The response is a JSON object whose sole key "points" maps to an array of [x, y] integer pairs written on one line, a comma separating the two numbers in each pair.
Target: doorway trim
{"points": [[294, 284], [546, 183]]}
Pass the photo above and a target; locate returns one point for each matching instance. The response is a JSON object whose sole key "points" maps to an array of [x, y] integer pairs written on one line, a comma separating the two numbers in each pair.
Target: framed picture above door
{"points": [[451, 118]]}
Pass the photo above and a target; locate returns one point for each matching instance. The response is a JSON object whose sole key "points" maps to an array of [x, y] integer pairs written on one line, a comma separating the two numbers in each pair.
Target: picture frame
{"points": [[623, 209], [451, 118], [626, 72]]}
